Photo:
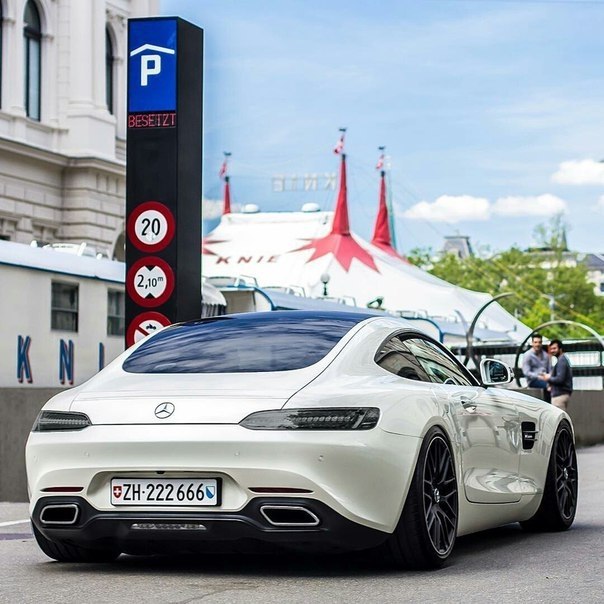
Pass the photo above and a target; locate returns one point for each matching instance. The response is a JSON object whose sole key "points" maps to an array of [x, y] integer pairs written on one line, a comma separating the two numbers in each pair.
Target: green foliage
{"points": [[536, 278], [421, 256]]}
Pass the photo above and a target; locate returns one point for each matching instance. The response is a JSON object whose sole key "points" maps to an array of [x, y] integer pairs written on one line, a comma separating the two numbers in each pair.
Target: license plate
{"points": [[165, 491]]}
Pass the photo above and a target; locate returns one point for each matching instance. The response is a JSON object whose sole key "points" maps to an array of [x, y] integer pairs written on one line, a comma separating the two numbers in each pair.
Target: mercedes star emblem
{"points": [[164, 410]]}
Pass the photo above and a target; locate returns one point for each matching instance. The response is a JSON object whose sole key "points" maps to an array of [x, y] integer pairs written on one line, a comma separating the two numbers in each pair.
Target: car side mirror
{"points": [[494, 372]]}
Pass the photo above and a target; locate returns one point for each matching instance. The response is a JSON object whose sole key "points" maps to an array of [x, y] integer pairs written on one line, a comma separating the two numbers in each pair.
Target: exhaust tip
{"points": [[289, 515], [60, 513]]}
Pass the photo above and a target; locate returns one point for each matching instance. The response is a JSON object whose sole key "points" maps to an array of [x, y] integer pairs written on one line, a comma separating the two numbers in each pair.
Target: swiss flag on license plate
{"points": [[117, 491]]}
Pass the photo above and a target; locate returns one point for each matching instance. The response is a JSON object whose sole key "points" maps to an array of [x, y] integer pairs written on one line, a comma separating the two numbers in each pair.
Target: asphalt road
{"points": [[503, 565]]}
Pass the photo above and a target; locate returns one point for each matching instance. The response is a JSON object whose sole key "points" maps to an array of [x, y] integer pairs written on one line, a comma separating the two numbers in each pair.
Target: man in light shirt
{"points": [[535, 363]]}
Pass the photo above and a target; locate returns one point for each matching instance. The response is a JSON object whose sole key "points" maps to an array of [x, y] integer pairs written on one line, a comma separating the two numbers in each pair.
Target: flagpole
{"points": [[390, 210], [383, 164]]}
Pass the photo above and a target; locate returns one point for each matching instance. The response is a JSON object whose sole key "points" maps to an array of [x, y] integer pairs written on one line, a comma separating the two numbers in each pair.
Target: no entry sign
{"points": [[151, 226], [150, 281], [144, 324]]}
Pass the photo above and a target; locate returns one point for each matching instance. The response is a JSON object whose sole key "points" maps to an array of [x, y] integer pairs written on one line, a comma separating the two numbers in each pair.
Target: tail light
{"points": [[336, 418], [60, 421]]}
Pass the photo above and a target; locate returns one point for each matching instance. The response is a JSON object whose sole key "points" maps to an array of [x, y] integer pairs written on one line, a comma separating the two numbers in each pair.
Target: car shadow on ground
{"points": [[469, 553]]}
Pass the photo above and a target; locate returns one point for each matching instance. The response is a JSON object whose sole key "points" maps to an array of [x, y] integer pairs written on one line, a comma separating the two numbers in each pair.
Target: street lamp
{"points": [[470, 331], [325, 281]]}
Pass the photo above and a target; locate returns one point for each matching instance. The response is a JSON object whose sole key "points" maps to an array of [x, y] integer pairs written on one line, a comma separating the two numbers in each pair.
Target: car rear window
{"points": [[257, 342]]}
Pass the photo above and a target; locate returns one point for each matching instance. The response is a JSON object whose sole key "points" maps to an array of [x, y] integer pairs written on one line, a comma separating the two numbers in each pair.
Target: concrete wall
{"points": [[587, 411], [19, 408]]}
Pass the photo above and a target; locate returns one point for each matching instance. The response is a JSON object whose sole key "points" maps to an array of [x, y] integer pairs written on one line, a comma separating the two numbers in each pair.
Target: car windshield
{"points": [[254, 342]]}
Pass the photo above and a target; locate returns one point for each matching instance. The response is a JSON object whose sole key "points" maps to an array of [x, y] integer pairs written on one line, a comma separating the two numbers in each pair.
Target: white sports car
{"points": [[309, 430]]}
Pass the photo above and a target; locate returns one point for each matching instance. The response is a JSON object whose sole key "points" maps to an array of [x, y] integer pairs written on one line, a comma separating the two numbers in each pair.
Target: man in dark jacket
{"points": [[561, 377]]}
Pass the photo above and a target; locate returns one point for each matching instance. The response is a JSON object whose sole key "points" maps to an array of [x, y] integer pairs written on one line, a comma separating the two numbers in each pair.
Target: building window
{"points": [[32, 37], [64, 307], [109, 71], [116, 313]]}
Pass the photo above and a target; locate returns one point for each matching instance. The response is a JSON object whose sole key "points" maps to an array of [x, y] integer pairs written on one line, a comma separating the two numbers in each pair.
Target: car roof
{"points": [[287, 316]]}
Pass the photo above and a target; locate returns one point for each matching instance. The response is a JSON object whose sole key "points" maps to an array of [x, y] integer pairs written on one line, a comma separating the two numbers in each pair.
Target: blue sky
{"points": [[492, 111]]}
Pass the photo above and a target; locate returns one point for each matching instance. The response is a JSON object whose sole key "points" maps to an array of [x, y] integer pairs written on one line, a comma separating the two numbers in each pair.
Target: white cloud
{"points": [[540, 205], [599, 207], [580, 172], [453, 209], [450, 208]]}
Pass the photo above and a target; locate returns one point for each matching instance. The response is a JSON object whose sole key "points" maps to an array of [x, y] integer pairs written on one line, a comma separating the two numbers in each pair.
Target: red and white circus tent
{"points": [[303, 249]]}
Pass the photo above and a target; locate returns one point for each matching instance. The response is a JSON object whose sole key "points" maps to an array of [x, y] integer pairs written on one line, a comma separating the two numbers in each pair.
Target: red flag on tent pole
{"points": [[223, 169], [380, 162], [339, 148]]}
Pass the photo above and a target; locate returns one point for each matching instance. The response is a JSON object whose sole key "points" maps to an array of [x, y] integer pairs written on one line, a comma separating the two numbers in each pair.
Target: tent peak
{"points": [[226, 208], [381, 233], [341, 224]]}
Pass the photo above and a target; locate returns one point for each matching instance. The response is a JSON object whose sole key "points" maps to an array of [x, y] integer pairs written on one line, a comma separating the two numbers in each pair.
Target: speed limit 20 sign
{"points": [[151, 226]]}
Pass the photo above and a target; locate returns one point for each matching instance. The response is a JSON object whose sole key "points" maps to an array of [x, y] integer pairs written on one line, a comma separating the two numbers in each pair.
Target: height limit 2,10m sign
{"points": [[163, 189]]}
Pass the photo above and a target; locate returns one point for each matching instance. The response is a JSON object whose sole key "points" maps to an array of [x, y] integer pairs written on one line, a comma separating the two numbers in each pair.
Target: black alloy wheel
{"points": [[440, 496], [426, 532], [561, 493], [566, 476]]}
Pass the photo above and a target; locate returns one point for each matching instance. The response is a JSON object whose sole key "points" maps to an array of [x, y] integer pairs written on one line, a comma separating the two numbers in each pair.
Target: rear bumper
{"points": [[184, 532], [362, 476]]}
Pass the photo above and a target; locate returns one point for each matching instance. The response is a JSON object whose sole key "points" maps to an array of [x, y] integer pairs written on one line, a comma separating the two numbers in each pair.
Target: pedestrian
{"points": [[561, 377], [535, 363]]}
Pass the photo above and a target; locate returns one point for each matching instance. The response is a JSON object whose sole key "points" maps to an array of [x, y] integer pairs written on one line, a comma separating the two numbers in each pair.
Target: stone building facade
{"points": [[62, 120]]}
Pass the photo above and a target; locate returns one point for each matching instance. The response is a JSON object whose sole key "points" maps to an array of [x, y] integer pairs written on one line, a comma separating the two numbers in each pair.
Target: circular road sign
{"points": [[144, 324], [150, 282], [151, 226]]}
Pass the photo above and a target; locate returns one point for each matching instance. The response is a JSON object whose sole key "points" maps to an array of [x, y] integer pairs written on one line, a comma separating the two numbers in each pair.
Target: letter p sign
{"points": [[150, 65], [152, 46]]}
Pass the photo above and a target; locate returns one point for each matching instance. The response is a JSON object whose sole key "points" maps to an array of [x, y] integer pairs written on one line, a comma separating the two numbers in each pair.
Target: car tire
{"points": [[559, 502], [426, 531], [65, 552]]}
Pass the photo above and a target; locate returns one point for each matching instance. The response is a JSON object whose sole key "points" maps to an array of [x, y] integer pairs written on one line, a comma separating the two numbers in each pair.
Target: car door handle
{"points": [[468, 405]]}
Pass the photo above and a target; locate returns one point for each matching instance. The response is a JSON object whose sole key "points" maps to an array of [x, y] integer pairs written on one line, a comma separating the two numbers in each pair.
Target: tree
{"points": [[552, 234], [548, 282], [421, 256]]}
